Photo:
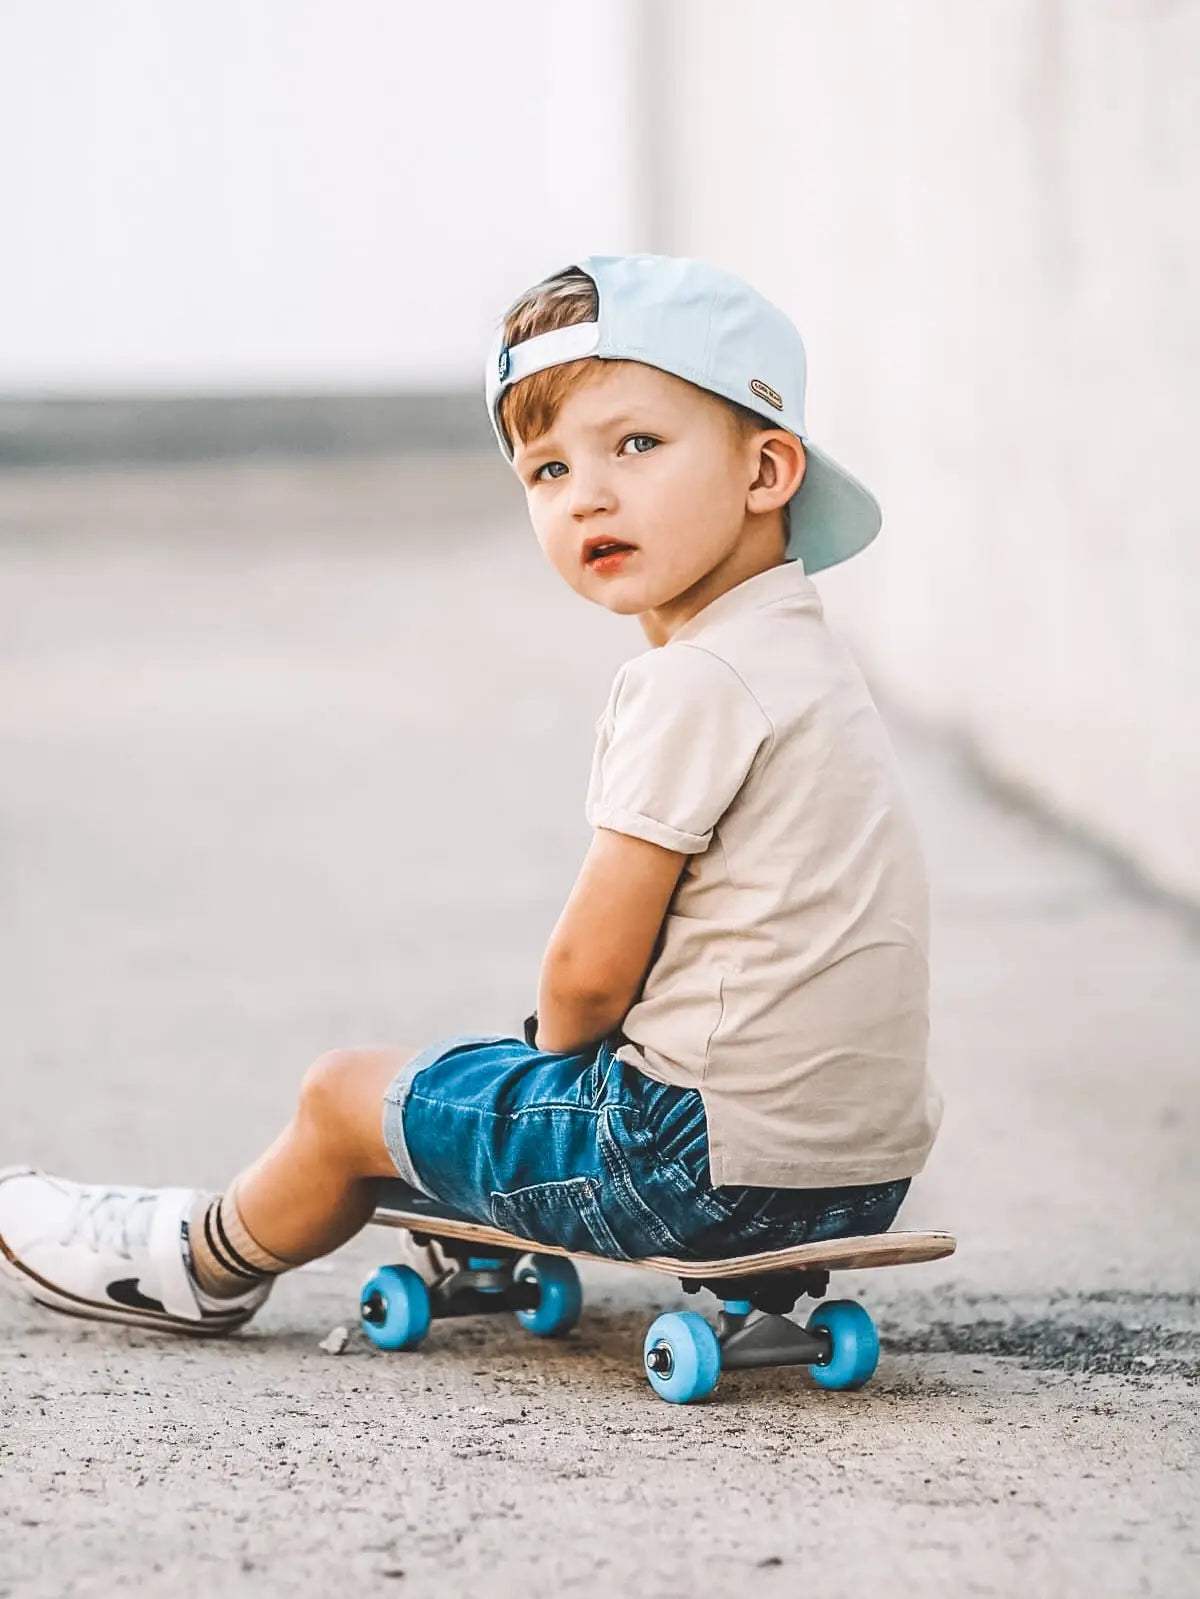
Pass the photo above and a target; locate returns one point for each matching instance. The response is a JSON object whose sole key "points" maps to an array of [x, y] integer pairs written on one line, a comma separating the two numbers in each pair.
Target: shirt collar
{"points": [[783, 582]]}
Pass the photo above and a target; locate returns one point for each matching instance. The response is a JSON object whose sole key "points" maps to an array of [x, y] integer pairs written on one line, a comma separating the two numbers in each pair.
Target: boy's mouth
{"points": [[603, 553]]}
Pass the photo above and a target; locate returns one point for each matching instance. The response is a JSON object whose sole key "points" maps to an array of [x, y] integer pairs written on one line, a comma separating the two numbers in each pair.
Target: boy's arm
{"points": [[604, 940]]}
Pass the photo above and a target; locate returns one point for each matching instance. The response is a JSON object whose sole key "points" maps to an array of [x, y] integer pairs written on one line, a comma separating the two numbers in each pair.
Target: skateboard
{"points": [[493, 1271]]}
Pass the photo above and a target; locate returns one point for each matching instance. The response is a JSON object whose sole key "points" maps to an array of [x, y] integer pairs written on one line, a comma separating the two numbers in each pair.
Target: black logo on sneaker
{"points": [[126, 1292]]}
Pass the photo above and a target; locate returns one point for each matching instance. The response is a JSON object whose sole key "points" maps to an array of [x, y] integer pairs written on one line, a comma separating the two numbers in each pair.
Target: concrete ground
{"points": [[293, 757]]}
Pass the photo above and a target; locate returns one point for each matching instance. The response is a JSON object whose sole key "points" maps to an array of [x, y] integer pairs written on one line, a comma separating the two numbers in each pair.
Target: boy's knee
{"points": [[326, 1083], [344, 1085]]}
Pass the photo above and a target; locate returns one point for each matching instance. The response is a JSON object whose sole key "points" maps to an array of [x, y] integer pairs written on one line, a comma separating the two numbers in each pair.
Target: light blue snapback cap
{"points": [[709, 327]]}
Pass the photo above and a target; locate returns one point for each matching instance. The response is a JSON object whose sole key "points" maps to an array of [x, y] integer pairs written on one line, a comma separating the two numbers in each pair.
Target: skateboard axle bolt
{"points": [[659, 1359], [374, 1308]]}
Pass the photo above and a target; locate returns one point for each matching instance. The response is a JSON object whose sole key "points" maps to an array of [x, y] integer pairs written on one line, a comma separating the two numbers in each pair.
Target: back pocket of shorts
{"points": [[565, 1213]]}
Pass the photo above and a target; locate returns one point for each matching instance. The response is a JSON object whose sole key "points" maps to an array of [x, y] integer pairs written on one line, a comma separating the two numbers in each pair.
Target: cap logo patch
{"points": [[504, 363], [766, 392]]}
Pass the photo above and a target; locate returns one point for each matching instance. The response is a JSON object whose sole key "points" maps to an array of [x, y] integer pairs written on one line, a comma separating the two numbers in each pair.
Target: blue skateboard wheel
{"points": [[855, 1344], [683, 1357], [394, 1306], [561, 1297]]}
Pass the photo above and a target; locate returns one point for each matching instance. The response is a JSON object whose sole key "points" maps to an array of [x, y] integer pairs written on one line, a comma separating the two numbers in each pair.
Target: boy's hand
{"points": [[604, 940]]}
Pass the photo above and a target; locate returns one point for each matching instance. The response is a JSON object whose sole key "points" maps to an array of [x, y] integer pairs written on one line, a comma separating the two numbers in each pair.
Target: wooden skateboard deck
{"points": [[834, 1254]]}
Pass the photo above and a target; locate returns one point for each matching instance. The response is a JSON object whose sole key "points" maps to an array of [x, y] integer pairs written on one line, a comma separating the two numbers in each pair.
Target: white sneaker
{"points": [[109, 1254]]}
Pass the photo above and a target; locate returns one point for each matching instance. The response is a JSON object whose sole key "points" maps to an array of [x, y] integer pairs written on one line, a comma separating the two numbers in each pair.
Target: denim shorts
{"points": [[586, 1152]]}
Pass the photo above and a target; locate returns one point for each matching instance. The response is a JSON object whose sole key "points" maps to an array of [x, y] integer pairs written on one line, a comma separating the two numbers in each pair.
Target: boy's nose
{"points": [[590, 495]]}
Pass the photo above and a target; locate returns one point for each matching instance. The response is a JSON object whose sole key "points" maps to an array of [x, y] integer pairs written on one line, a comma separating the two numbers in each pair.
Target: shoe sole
{"points": [[26, 1284]]}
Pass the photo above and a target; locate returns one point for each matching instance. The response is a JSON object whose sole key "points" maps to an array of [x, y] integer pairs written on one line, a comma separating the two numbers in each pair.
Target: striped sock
{"points": [[226, 1260]]}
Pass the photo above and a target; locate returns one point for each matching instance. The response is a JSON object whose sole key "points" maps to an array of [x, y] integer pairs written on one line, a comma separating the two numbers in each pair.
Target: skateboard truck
{"points": [[748, 1338], [752, 1326], [479, 1284], [755, 1337]]}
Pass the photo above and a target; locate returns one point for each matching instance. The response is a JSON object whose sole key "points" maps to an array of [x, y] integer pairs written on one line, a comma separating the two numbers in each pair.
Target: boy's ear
{"points": [[781, 466]]}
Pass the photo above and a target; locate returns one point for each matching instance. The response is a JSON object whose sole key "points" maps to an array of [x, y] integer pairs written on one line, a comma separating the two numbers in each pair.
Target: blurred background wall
{"points": [[313, 194], [982, 217]]}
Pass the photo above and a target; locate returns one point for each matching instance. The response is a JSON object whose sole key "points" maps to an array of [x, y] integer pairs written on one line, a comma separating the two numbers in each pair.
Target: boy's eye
{"points": [[642, 443], [551, 469]]}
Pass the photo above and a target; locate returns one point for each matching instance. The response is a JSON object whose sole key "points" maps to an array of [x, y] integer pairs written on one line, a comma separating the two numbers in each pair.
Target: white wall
{"points": [[985, 220], [296, 193], [983, 217]]}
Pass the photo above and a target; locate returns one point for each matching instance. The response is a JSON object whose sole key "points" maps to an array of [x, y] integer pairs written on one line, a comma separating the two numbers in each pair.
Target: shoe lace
{"points": [[112, 1218]]}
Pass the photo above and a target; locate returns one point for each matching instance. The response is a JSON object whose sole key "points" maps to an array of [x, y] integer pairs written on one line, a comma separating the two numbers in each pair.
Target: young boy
{"points": [[728, 1051]]}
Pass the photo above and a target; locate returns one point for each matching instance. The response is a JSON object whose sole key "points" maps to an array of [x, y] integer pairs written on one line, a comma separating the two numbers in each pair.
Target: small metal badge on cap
{"points": [[767, 393]]}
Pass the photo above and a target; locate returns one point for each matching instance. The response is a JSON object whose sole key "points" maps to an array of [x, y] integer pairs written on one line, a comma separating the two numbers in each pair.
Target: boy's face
{"points": [[640, 459]]}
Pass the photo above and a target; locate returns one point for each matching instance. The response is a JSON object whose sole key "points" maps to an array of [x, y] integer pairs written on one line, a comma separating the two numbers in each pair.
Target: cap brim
{"points": [[832, 515]]}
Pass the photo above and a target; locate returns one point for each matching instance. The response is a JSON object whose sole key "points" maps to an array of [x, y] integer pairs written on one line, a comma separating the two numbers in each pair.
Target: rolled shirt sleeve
{"points": [[674, 745]]}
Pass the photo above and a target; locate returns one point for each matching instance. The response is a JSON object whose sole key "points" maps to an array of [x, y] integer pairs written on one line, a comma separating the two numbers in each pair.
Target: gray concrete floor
{"points": [[294, 757]]}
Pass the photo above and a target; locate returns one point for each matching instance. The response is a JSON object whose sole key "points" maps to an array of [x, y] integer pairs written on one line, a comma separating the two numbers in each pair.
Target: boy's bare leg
{"points": [[310, 1191], [177, 1259]]}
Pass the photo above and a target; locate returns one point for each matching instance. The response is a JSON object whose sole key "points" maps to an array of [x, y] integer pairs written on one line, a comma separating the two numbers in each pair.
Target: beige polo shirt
{"points": [[791, 980]]}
